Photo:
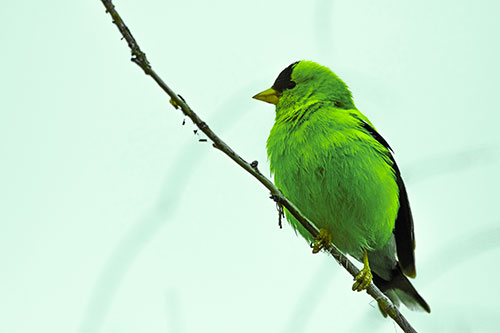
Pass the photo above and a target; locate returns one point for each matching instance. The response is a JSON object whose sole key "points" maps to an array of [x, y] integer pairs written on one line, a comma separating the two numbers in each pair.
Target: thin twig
{"points": [[140, 59]]}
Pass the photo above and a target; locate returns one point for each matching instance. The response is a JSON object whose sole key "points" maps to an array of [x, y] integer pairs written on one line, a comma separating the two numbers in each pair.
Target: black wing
{"points": [[403, 230]]}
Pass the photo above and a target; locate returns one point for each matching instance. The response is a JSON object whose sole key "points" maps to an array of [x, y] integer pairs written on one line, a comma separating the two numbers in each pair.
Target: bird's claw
{"points": [[322, 241], [364, 277]]}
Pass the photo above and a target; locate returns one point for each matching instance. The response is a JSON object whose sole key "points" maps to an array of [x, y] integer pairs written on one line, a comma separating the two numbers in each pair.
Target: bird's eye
{"points": [[291, 85]]}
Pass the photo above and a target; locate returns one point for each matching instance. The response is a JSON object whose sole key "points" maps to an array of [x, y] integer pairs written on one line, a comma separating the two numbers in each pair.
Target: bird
{"points": [[332, 163]]}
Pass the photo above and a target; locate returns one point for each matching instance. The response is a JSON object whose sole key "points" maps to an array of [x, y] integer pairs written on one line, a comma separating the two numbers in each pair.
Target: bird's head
{"points": [[306, 81]]}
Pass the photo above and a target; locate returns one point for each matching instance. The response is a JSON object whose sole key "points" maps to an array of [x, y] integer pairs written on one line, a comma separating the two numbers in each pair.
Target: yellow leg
{"points": [[322, 241], [364, 277]]}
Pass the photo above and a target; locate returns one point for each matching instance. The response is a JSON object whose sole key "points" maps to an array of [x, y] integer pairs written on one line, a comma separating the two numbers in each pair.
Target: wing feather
{"points": [[403, 230]]}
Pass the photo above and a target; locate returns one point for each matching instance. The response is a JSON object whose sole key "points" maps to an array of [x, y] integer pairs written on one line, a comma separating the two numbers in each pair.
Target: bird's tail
{"points": [[400, 290]]}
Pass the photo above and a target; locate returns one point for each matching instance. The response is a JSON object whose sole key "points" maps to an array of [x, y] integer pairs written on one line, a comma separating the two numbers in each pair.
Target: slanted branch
{"points": [[139, 58]]}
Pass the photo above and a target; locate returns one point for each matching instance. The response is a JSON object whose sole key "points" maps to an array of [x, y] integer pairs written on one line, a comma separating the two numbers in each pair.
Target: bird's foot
{"points": [[364, 277], [322, 241]]}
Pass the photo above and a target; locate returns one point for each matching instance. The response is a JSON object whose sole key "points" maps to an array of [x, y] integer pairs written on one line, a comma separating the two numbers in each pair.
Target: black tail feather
{"points": [[400, 290]]}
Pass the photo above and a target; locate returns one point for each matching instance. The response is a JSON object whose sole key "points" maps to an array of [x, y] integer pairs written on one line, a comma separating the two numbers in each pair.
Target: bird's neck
{"points": [[296, 111]]}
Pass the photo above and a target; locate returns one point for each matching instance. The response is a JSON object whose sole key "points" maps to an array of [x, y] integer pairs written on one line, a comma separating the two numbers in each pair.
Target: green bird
{"points": [[331, 162]]}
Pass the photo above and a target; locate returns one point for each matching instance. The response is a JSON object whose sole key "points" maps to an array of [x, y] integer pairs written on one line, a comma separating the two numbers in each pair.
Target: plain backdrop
{"points": [[115, 218]]}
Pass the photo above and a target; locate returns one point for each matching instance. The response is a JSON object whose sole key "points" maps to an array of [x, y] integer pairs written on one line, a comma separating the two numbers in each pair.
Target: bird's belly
{"points": [[353, 196]]}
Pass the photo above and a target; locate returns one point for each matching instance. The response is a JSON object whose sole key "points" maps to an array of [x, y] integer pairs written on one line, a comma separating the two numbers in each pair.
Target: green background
{"points": [[114, 218]]}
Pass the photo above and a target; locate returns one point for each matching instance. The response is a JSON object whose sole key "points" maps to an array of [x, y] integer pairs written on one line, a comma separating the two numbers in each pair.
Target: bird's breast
{"points": [[338, 180]]}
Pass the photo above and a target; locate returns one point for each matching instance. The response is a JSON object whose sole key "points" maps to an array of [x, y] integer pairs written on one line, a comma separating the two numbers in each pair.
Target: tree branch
{"points": [[140, 59]]}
